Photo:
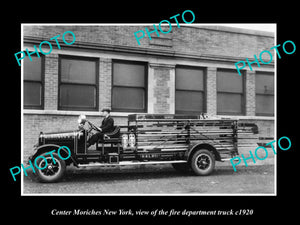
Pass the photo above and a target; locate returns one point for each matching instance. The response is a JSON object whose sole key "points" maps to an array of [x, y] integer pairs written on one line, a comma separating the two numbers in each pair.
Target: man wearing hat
{"points": [[106, 127]]}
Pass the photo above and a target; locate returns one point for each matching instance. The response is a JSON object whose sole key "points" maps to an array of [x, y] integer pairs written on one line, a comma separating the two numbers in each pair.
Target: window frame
{"points": [[243, 103], [265, 94], [42, 82], [145, 88], [60, 82], [204, 92]]}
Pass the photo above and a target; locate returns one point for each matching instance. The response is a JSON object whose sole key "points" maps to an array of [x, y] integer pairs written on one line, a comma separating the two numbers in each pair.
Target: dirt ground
{"points": [[254, 179]]}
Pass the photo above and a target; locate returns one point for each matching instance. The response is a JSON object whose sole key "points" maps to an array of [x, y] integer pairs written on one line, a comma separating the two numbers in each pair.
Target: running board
{"points": [[228, 159], [129, 163]]}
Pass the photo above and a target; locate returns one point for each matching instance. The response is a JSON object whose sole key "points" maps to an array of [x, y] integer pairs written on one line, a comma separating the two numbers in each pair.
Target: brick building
{"points": [[189, 70]]}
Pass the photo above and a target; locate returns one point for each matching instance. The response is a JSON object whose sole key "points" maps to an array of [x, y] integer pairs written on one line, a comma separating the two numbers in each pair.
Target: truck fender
{"points": [[188, 154], [47, 148]]}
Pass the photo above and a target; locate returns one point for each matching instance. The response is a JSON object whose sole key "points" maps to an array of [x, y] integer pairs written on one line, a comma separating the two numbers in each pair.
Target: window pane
{"points": [[128, 98], [229, 81], [33, 69], [32, 94], [229, 103], [77, 96], [189, 101], [189, 79], [126, 74], [264, 104], [264, 83], [78, 71]]}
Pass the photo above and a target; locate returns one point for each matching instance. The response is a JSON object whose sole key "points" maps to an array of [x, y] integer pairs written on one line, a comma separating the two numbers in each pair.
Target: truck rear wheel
{"points": [[202, 162], [52, 170]]}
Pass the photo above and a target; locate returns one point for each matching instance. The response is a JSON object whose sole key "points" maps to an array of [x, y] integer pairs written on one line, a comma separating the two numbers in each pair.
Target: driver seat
{"points": [[115, 134], [112, 138]]}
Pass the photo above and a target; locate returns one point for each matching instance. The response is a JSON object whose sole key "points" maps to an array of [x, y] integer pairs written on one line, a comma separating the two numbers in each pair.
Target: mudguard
{"points": [[47, 148]]}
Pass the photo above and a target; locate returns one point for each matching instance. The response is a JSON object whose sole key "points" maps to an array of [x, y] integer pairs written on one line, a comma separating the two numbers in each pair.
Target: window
{"points": [[230, 93], [33, 82], [129, 91], [189, 96], [78, 83], [264, 89]]}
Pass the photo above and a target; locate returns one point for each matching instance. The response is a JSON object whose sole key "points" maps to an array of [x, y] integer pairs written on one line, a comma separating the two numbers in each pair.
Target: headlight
{"points": [[81, 119]]}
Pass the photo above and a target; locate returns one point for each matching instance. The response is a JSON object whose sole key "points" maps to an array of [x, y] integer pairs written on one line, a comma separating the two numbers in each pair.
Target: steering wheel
{"points": [[82, 121], [89, 129], [92, 126]]}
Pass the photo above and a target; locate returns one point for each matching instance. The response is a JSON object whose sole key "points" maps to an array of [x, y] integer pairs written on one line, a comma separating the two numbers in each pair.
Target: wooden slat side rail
{"points": [[263, 141], [180, 132], [172, 135]]}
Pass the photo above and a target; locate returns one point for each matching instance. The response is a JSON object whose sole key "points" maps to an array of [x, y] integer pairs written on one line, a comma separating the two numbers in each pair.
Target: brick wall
{"points": [[196, 40], [211, 91], [51, 81], [161, 93], [250, 93], [105, 82]]}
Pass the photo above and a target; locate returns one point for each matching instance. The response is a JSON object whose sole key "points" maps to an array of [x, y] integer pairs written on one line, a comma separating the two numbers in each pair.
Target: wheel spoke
{"points": [[203, 162], [51, 169]]}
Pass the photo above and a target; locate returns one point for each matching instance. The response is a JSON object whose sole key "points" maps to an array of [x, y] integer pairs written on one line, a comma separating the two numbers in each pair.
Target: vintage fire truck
{"points": [[191, 143]]}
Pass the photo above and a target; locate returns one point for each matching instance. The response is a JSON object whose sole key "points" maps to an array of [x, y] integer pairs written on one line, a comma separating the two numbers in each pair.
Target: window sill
{"points": [[246, 117], [71, 113], [125, 114]]}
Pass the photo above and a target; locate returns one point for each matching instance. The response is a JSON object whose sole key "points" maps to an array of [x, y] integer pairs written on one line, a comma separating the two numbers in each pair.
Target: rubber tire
{"points": [[51, 179], [196, 169], [181, 167]]}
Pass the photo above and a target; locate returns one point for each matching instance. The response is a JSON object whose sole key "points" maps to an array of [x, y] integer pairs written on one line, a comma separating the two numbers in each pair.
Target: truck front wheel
{"points": [[202, 162], [52, 169]]}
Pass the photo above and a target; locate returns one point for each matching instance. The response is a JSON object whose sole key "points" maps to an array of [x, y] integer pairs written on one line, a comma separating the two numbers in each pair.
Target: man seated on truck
{"points": [[107, 126]]}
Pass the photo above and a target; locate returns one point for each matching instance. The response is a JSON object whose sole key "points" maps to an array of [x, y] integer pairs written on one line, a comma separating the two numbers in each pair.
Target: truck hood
{"points": [[61, 135]]}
